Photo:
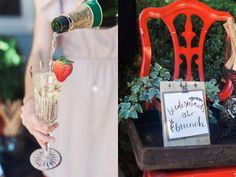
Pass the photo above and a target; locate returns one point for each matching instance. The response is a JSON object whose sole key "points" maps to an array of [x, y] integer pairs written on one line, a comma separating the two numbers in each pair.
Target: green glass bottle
{"points": [[89, 14]]}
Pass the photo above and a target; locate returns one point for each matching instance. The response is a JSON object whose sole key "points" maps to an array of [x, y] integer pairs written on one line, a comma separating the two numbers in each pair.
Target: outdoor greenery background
{"points": [[213, 58], [11, 69]]}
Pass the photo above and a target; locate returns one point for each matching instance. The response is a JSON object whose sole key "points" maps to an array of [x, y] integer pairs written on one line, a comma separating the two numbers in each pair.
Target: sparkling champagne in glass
{"points": [[46, 90]]}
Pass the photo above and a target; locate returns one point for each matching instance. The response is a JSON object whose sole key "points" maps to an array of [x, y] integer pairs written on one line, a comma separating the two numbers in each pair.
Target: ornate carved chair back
{"points": [[168, 14]]}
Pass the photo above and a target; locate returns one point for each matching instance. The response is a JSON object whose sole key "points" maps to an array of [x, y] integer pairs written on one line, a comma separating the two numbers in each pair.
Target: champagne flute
{"points": [[46, 90]]}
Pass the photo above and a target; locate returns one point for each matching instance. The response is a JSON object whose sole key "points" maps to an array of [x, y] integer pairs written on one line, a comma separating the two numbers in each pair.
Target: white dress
{"points": [[87, 135]]}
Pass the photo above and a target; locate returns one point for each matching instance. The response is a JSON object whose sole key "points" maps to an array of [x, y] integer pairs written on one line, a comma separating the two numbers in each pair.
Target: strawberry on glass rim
{"points": [[62, 67]]}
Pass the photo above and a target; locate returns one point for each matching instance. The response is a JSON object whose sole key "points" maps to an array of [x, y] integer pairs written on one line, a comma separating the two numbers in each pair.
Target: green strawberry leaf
{"points": [[64, 60]]}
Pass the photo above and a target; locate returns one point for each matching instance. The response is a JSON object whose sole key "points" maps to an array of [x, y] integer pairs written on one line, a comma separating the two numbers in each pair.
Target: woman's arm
{"points": [[40, 51], [41, 44]]}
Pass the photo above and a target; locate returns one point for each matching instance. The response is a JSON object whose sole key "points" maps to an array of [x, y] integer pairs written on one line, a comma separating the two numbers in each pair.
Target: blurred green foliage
{"points": [[11, 70]]}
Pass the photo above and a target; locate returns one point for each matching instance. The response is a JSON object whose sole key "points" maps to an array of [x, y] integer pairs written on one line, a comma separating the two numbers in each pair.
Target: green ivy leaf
{"points": [[165, 74], [133, 98], [217, 106], [124, 105], [138, 108], [144, 96], [213, 81], [135, 89], [139, 83], [127, 114], [153, 74], [156, 82], [133, 114], [211, 118], [154, 71], [152, 92], [142, 90], [127, 98], [144, 79], [122, 113], [135, 81], [157, 67], [212, 90], [210, 96], [148, 84]]}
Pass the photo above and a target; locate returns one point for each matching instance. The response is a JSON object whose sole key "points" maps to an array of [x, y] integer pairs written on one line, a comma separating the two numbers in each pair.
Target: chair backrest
{"points": [[168, 14]]}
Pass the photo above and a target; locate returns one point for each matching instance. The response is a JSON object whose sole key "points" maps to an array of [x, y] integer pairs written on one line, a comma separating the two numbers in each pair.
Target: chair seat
{"points": [[212, 172]]}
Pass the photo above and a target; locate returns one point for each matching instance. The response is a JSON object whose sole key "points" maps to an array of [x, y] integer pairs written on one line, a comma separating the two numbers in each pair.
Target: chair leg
{"points": [[209, 172], [149, 174], [154, 173], [145, 174]]}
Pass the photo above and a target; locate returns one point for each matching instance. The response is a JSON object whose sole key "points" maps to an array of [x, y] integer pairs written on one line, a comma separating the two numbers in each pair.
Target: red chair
{"points": [[167, 14]]}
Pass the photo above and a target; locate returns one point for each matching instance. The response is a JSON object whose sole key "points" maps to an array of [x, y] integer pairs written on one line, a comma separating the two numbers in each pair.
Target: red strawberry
{"points": [[62, 68]]}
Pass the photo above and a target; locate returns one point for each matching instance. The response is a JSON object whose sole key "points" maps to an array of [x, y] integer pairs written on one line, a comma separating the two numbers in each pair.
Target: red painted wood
{"points": [[167, 14], [212, 172], [227, 90]]}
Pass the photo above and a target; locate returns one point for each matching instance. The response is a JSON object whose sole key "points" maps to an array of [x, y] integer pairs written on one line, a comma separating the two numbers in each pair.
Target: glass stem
{"points": [[47, 143], [47, 146]]}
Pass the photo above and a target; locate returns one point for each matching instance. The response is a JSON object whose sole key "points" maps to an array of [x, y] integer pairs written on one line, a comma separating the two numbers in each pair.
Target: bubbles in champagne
{"points": [[46, 92], [46, 88]]}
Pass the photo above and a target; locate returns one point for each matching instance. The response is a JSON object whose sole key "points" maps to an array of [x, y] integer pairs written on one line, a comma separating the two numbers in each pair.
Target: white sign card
{"points": [[184, 113]]}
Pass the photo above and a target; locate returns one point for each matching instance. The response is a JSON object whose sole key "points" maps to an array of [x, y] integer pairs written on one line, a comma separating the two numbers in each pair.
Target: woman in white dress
{"points": [[88, 104]]}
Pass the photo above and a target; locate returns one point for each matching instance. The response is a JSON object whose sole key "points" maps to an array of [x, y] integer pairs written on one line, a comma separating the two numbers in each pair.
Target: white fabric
{"points": [[87, 112]]}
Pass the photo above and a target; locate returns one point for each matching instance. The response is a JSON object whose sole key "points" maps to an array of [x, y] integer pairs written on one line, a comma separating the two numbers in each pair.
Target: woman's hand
{"points": [[39, 129]]}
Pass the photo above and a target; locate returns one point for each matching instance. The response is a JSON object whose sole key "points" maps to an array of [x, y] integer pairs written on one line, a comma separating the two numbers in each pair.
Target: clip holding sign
{"points": [[184, 87]]}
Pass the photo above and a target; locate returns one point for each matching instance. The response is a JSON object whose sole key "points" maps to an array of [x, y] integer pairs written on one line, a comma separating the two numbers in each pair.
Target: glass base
{"points": [[45, 160]]}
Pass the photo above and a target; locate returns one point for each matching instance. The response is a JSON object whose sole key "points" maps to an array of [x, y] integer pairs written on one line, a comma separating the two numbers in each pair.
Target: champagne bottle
{"points": [[89, 14]]}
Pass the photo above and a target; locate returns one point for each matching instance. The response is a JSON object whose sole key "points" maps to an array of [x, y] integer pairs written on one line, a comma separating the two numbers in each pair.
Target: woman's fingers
{"points": [[37, 127], [53, 126], [42, 137], [30, 120]]}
